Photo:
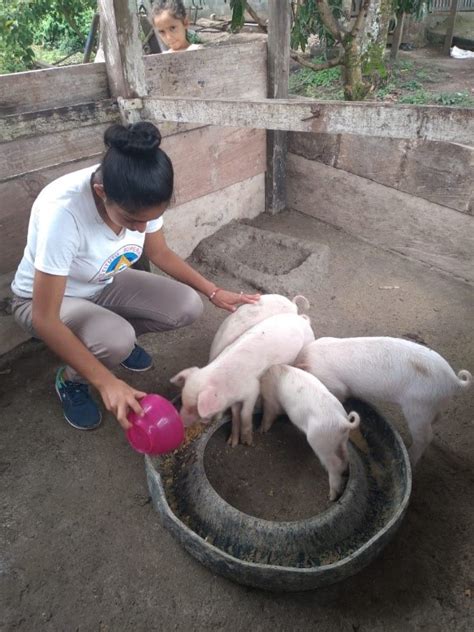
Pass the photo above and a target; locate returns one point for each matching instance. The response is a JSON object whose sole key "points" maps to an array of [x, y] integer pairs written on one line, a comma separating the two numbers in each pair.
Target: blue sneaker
{"points": [[138, 360], [79, 409]]}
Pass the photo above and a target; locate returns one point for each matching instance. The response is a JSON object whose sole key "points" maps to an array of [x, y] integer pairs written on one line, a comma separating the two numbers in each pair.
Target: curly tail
{"points": [[465, 379], [301, 303], [353, 419]]}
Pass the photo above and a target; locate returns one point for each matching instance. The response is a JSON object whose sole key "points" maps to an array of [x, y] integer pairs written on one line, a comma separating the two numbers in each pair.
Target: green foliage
{"points": [[310, 82], [238, 14], [419, 97], [413, 84], [16, 38], [424, 75], [460, 99], [418, 8], [326, 77], [192, 37], [307, 21], [63, 28], [63, 24]]}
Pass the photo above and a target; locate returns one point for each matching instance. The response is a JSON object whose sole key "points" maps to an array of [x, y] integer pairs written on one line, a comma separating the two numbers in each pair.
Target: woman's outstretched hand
{"points": [[119, 397], [231, 300]]}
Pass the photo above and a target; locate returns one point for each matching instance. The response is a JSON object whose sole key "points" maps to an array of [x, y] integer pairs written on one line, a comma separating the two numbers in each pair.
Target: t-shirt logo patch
{"points": [[120, 260]]}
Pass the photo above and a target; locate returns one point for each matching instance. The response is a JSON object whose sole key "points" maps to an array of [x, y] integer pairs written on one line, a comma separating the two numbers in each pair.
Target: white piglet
{"points": [[251, 314], [387, 369], [311, 408], [232, 379]]}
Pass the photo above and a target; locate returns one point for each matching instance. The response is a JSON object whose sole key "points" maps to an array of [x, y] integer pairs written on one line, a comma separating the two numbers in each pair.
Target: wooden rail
{"points": [[431, 122]]}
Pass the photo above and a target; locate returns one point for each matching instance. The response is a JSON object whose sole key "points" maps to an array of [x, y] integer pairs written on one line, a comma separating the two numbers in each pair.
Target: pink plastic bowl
{"points": [[159, 430]]}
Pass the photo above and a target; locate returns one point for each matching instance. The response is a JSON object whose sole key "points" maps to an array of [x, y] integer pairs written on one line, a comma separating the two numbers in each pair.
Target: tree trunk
{"points": [[354, 87], [397, 35], [374, 38]]}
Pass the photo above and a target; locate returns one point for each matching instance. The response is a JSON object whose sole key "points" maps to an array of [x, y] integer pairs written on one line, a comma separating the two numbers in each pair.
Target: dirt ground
{"points": [[82, 547]]}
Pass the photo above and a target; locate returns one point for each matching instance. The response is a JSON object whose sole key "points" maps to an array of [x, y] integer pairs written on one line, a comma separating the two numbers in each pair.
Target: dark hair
{"points": [[175, 7], [135, 172]]}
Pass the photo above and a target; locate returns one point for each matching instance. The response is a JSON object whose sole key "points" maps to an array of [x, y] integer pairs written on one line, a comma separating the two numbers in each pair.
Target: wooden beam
{"points": [[42, 89], [55, 120], [429, 122], [450, 28], [123, 48], [279, 23]]}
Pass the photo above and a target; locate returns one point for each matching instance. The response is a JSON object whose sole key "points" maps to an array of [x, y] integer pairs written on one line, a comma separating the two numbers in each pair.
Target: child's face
{"points": [[172, 31]]}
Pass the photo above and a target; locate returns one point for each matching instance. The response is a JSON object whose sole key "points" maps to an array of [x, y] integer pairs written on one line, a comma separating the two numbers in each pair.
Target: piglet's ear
{"points": [[180, 378], [209, 402]]}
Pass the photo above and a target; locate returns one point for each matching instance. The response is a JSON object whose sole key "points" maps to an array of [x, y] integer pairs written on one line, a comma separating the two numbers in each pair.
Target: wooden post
{"points": [[451, 24], [123, 50], [279, 23], [397, 36]]}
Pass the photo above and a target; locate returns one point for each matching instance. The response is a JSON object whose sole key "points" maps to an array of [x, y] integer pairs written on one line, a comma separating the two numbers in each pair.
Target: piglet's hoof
{"points": [[246, 439], [232, 441]]}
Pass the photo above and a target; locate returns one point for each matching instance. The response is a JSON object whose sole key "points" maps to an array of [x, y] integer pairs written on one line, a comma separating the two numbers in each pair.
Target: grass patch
{"points": [[459, 99], [321, 84], [419, 97]]}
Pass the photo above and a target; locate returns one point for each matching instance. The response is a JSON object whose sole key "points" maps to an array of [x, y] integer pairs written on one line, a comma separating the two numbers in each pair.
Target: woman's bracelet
{"points": [[214, 292]]}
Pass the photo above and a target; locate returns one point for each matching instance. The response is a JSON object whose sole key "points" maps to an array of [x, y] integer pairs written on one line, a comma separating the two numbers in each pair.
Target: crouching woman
{"points": [[75, 289]]}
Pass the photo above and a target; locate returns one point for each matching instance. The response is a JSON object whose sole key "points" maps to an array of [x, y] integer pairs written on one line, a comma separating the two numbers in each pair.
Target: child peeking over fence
{"points": [[75, 288], [170, 20]]}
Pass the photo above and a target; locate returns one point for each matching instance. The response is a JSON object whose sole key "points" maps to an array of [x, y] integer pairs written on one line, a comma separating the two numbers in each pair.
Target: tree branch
{"points": [[359, 21], [330, 63], [328, 19], [254, 15], [71, 21]]}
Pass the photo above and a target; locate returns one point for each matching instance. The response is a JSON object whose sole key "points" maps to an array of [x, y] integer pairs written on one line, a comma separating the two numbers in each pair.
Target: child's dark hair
{"points": [[175, 7], [135, 172]]}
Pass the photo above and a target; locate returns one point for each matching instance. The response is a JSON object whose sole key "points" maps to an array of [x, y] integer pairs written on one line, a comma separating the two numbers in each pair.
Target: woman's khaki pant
{"points": [[135, 303]]}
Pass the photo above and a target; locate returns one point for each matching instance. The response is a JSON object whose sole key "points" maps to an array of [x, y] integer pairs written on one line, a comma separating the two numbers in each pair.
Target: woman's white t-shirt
{"points": [[67, 237]]}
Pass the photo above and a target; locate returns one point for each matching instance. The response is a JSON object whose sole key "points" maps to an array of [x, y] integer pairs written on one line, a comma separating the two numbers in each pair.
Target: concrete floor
{"points": [[82, 546]]}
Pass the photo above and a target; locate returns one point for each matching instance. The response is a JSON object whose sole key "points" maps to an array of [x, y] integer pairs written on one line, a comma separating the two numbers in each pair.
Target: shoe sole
{"points": [[72, 423], [137, 370]]}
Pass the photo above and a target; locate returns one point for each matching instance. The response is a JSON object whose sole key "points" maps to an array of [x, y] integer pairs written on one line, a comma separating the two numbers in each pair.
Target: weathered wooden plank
{"points": [[430, 122], [56, 120], [52, 88], [217, 71], [123, 48], [436, 171], [16, 197], [31, 154], [427, 232], [279, 24], [205, 160], [212, 158]]}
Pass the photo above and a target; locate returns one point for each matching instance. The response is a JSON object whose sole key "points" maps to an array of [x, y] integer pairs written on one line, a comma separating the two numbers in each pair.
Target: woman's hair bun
{"points": [[140, 139]]}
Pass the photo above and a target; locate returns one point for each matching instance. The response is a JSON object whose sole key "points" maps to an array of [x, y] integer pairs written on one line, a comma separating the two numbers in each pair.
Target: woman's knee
{"points": [[113, 343], [191, 308]]}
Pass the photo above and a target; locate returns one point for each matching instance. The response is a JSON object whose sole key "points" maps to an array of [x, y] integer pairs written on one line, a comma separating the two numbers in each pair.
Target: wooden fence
{"points": [[53, 122]]}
